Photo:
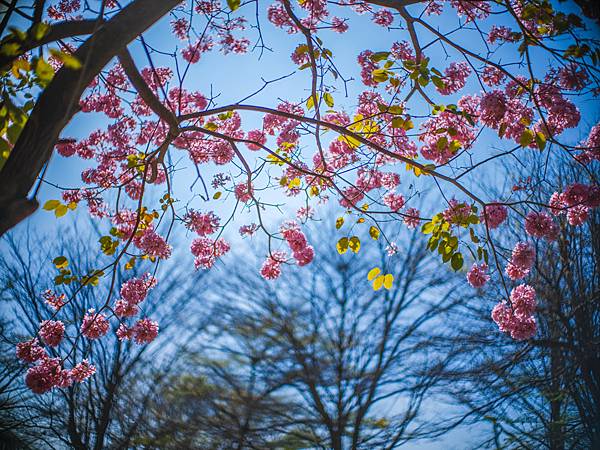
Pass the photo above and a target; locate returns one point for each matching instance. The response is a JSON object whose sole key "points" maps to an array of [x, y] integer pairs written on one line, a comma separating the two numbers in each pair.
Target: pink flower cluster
{"points": [[94, 325], [55, 301], [49, 373], [521, 261], [457, 213], [207, 250], [494, 215], [271, 268], [540, 225], [517, 318], [477, 276], [455, 78], [411, 218], [301, 251], [133, 292], [52, 332], [143, 331], [575, 201], [202, 224]]}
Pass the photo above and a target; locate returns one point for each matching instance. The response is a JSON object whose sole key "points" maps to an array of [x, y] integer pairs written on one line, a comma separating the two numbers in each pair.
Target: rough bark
{"points": [[59, 102]]}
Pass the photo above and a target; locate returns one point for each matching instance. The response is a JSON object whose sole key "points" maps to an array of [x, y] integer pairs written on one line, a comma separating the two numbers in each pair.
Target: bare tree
{"points": [[319, 359], [544, 393], [105, 411]]}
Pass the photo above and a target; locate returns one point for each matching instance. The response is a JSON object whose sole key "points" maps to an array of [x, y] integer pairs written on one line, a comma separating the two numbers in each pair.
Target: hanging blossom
{"points": [[477, 276], [301, 251], [521, 261], [94, 325], [271, 268], [52, 332], [541, 225], [494, 215], [517, 318]]}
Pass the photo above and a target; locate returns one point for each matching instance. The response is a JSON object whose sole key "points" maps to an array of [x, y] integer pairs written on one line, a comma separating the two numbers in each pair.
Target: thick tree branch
{"points": [[59, 101]]}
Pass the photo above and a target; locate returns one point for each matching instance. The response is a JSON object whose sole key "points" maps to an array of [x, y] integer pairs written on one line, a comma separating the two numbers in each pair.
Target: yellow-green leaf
{"points": [[217, 195], [68, 60], [328, 99], [388, 280], [339, 222], [60, 262], [342, 245], [378, 283], [60, 210], [233, 4], [373, 273], [540, 140], [374, 232], [51, 204], [354, 244], [526, 137]]}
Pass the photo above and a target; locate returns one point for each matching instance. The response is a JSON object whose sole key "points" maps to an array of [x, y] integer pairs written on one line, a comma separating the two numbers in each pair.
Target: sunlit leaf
{"points": [[373, 273]]}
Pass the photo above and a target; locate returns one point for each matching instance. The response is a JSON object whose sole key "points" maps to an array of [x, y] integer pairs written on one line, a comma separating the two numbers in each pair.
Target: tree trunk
{"points": [[59, 102]]}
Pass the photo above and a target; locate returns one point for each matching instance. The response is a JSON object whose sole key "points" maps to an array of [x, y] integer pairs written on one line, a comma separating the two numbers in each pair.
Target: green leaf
{"points": [[457, 261], [379, 75], [427, 228], [526, 138], [39, 30], [354, 244], [60, 262], [51, 204], [374, 233], [339, 222], [43, 70], [540, 140], [328, 99], [60, 210], [234, 4]]}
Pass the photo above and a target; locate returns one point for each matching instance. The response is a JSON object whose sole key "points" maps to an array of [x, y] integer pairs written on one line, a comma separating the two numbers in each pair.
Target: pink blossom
{"points": [[339, 25], [248, 230], [523, 300], [124, 333], [455, 78], [541, 225], [257, 136], [201, 223], [94, 325], [495, 214], [54, 300], [523, 255], [394, 201], [492, 76], [125, 309], [411, 218], [47, 375], [30, 351], [145, 331], [135, 290], [515, 272], [477, 276], [244, 192], [52, 331], [207, 251], [383, 17], [154, 245], [82, 371], [519, 327], [271, 268]]}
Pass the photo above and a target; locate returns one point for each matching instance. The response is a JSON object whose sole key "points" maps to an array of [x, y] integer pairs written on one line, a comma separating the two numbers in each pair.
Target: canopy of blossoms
{"points": [[417, 123]]}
